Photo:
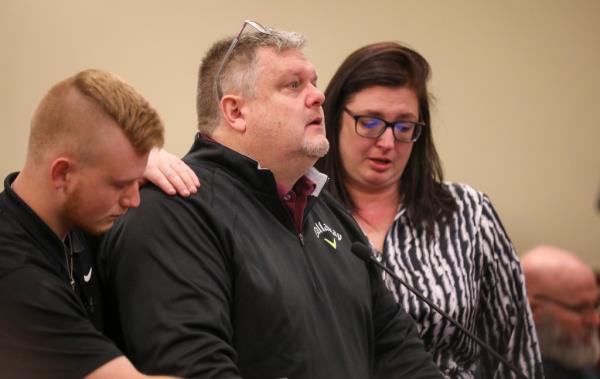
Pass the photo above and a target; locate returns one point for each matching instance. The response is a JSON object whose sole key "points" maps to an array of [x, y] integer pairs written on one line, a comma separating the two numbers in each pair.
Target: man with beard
{"points": [[89, 144], [563, 295], [253, 276]]}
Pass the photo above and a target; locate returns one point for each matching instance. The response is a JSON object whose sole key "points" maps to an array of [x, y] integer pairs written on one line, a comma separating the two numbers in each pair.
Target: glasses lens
{"points": [[370, 127], [407, 131]]}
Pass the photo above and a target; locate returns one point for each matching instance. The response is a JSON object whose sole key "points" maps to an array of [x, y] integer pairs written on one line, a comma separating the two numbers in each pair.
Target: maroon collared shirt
{"points": [[297, 198]]}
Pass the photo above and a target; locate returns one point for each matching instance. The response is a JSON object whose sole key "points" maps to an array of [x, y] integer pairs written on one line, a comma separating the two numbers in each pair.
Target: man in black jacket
{"points": [[253, 276], [88, 147]]}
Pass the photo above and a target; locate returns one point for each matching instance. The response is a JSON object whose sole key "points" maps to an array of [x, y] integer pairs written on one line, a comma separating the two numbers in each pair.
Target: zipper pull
{"points": [[301, 238]]}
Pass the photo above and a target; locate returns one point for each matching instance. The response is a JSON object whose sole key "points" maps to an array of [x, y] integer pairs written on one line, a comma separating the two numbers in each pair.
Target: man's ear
{"points": [[60, 173], [231, 110]]}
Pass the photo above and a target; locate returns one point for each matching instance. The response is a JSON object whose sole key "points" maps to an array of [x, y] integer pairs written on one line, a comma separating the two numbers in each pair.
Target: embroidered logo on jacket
{"points": [[330, 236], [88, 276]]}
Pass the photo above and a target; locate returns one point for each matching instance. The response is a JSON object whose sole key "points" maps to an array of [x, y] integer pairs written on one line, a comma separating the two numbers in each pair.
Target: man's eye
{"points": [[122, 185], [294, 85]]}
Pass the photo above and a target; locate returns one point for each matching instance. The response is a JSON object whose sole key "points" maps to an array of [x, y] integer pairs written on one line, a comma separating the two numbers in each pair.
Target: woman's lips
{"points": [[380, 164]]}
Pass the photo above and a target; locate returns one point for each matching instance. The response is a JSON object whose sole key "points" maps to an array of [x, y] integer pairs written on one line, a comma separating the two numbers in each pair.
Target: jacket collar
{"points": [[247, 169], [39, 232]]}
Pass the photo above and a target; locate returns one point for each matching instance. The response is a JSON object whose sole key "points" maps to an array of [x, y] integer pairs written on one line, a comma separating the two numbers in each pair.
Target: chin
{"points": [[100, 229], [316, 149], [568, 349]]}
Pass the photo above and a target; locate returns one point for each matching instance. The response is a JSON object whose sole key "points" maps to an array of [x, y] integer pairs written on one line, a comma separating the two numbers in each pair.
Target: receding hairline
{"points": [[546, 266], [277, 42], [238, 74]]}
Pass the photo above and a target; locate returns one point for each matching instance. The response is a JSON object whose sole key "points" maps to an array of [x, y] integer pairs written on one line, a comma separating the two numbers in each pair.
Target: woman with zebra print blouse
{"points": [[445, 239]]}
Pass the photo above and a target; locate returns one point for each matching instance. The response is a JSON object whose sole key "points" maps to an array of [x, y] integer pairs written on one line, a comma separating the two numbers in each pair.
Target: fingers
{"points": [[186, 174], [156, 177], [171, 174], [180, 177]]}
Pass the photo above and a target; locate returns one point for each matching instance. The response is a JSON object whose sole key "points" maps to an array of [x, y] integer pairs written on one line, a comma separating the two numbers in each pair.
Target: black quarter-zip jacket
{"points": [[48, 329], [221, 285]]}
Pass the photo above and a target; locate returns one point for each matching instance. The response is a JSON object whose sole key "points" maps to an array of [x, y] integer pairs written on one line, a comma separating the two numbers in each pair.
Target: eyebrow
{"points": [[124, 182], [405, 116], [302, 72]]}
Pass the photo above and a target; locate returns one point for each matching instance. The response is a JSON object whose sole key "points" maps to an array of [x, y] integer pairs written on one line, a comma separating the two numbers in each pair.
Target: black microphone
{"points": [[365, 253]]}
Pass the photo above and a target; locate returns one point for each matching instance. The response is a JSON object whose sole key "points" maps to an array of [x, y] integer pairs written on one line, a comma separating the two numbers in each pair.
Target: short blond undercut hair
{"points": [[137, 119]]}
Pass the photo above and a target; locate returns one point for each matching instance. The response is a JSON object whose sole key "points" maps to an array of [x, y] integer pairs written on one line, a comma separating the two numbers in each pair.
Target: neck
{"points": [[375, 212], [36, 193], [286, 169], [369, 199], [287, 178]]}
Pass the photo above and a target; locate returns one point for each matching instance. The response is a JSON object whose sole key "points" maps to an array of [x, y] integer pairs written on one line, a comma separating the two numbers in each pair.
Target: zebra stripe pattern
{"points": [[469, 268]]}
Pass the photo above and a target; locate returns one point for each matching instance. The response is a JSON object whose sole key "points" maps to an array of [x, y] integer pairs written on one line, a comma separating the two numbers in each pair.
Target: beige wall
{"points": [[517, 83]]}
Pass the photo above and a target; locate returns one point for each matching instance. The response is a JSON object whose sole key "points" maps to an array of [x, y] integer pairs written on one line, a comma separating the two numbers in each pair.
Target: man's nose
{"points": [[315, 97], [132, 198]]}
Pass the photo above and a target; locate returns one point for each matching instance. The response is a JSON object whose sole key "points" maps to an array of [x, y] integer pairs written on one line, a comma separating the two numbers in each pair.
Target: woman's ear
{"points": [[231, 110]]}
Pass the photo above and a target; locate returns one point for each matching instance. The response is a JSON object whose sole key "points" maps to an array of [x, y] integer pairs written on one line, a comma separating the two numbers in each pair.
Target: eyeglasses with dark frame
{"points": [[234, 42], [374, 127], [580, 309]]}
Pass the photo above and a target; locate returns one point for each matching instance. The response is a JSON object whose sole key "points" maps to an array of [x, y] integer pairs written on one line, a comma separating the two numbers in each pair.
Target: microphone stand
{"points": [[365, 253]]}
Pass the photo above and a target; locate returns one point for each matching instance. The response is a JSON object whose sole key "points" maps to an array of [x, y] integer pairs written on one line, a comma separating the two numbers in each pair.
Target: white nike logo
{"points": [[88, 276]]}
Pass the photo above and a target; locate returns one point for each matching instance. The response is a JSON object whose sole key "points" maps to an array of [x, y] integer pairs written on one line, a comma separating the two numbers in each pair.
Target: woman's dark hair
{"points": [[392, 65]]}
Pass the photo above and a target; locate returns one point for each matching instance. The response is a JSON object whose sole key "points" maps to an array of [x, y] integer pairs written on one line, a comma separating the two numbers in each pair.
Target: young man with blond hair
{"points": [[88, 148]]}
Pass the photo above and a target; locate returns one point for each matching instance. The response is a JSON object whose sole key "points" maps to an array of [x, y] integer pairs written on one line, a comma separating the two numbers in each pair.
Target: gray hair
{"points": [[562, 346], [239, 73]]}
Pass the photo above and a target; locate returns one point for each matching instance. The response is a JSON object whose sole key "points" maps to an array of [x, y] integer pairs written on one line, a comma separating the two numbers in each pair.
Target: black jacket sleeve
{"points": [[400, 352], [165, 268], [44, 330]]}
